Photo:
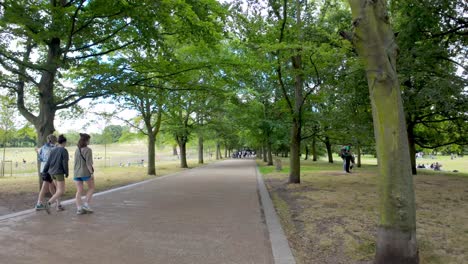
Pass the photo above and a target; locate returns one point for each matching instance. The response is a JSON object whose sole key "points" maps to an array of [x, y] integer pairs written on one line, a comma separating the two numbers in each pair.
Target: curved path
{"points": [[206, 215]]}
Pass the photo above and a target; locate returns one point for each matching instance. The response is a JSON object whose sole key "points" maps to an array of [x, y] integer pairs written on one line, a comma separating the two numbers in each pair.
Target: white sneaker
{"points": [[87, 209]]}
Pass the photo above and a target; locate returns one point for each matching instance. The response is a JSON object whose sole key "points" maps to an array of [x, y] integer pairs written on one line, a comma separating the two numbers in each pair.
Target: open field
{"points": [[331, 216], [20, 192], [104, 156]]}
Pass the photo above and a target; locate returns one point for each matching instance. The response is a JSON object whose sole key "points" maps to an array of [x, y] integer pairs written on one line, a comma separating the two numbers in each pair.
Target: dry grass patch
{"points": [[331, 216]]}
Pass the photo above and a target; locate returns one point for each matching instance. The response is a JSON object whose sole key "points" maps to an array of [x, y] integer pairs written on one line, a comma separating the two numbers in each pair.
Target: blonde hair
{"points": [[52, 139]]}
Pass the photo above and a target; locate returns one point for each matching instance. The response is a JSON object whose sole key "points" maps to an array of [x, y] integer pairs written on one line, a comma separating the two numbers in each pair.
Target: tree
{"points": [[64, 50], [150, 104], [374, 41], [434, 93]]}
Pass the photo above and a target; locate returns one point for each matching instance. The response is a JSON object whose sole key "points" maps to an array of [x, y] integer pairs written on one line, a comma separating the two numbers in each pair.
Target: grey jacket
{"points": [[83, 162], [57, 162]]}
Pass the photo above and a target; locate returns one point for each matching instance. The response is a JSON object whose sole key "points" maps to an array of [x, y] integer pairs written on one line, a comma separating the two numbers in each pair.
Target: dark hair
{"points": [[61, 139], [84, 139]]}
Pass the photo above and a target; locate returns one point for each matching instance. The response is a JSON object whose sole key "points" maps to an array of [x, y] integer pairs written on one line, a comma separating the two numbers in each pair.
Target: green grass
{"points": [[331, 217]]}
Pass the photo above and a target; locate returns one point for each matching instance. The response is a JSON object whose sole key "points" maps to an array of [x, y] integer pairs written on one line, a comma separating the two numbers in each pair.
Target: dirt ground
{"points": [[331, 217]]}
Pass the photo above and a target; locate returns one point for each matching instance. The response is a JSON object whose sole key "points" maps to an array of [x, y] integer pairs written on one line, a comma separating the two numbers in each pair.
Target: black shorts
{"points": [[46, 177]]}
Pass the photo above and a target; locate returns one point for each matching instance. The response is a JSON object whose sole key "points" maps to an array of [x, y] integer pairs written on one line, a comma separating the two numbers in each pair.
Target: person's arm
{"points": [[46, 166], [65, 162], [89, 161]]}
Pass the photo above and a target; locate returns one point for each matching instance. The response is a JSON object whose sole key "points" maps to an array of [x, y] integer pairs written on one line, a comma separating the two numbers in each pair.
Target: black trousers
{"points": [[347, 163]]}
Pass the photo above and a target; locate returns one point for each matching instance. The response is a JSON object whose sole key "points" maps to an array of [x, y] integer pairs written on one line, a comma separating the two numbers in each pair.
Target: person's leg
{"points": [[347, 163], [42, 192], [89, 195], [52, 188], [59, 191], [79, 193]]}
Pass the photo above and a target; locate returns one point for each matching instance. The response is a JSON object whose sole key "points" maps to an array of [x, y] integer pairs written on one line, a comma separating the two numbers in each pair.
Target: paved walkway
{"points": [[205, 215]]}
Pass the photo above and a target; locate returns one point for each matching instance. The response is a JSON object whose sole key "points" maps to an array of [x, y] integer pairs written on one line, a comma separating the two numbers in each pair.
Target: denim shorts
{"points": [[82, 179]]}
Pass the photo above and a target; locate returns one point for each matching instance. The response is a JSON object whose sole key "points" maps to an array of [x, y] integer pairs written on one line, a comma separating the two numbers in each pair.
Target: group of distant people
{"points": [[54, 169], [244, 154], [434, 166]]}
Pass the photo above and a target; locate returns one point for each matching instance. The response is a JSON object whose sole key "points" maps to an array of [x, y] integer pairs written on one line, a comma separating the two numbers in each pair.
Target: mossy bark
{"points": [[375, 43]]}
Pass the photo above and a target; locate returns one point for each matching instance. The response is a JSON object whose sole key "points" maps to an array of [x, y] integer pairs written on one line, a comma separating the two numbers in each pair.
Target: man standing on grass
{"points": [[347, 157]]}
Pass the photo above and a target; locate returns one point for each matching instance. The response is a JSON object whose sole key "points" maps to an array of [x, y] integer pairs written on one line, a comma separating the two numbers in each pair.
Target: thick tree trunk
{"points": [[151, 154], [200, 150], [329, 149], [314, 149], [270, 156], [265, 154], [295, 162], [375, 43], [183, 154]]}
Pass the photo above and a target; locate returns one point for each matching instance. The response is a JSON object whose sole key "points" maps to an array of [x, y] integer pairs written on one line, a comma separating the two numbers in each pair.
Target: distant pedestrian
{"points": [[57, 167], [84, 172], [347, 157]]}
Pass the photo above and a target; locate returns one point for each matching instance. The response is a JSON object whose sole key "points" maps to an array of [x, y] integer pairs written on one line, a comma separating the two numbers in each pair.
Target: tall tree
{"points": [[150, 106], [57, 53], [375, 43]]}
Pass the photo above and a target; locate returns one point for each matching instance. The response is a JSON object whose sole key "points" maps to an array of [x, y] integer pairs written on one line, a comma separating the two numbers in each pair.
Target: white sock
{"points": [[86, 204]]}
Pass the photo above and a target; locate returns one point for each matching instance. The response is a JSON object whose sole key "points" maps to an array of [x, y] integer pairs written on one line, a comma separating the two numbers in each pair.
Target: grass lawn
{"points": [[20, 193], [331, 216]]}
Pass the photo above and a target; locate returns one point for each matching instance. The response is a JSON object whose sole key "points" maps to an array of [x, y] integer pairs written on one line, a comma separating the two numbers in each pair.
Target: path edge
{"points": [[282, 253]]}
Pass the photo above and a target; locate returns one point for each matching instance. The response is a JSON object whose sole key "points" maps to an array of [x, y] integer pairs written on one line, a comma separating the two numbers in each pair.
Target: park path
{"points": [[205, 215]]}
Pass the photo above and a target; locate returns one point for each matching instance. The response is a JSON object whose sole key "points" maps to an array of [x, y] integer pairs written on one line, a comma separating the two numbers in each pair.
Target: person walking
{"points": [[47, 182], [84, 172], [347, 157], [57, 167]]}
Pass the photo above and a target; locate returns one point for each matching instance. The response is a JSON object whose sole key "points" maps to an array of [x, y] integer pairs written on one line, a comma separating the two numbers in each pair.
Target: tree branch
{"points": [[104, 52]]}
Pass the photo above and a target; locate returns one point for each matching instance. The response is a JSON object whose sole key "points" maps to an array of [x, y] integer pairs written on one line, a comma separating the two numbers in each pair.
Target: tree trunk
{"points": [[412, 148], [359, 154], [183, 154], [270, 156], [174, 150], [306, 152], [151, 154], [225, 151], [265, 155], [295, 162], [218, 151], [375, 43], [260, 153], [314, 149], [200, 150], [329, 149]]}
